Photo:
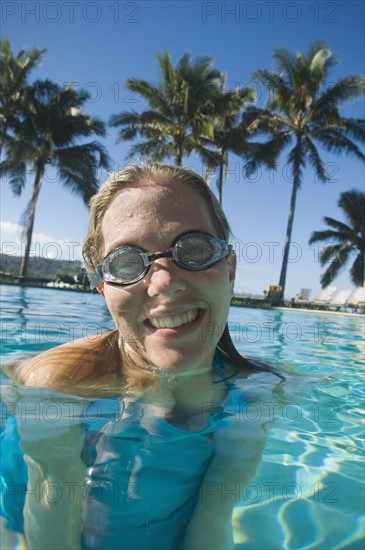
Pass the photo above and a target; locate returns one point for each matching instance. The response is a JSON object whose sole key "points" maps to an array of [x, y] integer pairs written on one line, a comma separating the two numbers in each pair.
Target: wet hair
{"points": [[140, 175]]}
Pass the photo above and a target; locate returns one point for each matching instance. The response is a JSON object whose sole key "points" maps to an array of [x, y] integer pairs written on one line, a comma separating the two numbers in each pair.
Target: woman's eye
{"points": [[126, 262], [196, 251]]}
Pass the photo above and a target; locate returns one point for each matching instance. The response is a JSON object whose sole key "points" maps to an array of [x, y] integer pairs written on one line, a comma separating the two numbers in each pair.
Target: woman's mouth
{"points": [[174, 321]]}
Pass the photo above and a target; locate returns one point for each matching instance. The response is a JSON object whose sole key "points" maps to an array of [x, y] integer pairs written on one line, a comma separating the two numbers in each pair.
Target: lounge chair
{"points": [[325, 296], [273, 295], [357, 301], [340, 299], [303, 297]]}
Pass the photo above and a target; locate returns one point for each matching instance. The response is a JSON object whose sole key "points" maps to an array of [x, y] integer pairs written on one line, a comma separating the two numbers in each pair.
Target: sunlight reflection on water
{"points": [[311, 480]]}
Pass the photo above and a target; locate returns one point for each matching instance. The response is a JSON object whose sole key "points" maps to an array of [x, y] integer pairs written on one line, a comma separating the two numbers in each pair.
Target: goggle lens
{"points": [[126, 265], [195, 251]]}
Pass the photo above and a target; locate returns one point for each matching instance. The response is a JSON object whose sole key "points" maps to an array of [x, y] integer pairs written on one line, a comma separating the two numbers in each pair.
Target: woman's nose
{"points": [[165, 277]]}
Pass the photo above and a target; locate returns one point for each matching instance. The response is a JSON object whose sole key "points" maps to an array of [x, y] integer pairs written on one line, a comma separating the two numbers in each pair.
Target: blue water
{"points": [[308, 490]]}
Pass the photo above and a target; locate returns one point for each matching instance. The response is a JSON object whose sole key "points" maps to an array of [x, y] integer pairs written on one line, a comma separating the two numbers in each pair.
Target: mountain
{"points": [[41, 267]]}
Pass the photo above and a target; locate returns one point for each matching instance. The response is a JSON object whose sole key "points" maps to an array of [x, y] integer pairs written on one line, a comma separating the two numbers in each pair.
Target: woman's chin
{"points": [[177, 362]]}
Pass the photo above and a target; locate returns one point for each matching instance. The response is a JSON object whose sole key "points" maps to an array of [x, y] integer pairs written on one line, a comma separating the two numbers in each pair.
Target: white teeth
{"points": [[176, 320]]}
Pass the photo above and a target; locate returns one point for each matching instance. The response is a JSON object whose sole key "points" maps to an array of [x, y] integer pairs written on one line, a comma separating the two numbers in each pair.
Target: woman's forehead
{"points": [[156, 206], [158, 197]]}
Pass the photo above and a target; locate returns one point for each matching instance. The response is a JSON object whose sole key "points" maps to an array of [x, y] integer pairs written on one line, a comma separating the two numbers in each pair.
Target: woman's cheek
{"points": [[122, 307]]}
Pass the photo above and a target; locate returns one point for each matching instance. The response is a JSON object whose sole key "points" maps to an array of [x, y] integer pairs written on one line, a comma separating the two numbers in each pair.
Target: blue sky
{"points": [[100, 44]]}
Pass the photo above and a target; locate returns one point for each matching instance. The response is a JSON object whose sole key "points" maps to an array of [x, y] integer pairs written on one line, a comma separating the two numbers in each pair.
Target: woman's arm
{"points": [[56, 497], [238, 452], [231, 468], [55, 500]]}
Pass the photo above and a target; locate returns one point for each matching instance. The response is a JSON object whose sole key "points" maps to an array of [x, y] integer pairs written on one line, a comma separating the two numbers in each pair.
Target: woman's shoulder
{"points": [[68, 364]]}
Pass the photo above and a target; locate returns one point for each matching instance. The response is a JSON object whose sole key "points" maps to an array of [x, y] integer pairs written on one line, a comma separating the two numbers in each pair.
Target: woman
{"points": [[158, 242]]}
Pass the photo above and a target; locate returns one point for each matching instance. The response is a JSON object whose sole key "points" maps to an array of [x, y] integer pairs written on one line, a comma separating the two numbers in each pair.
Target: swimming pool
{"points": [[308, 490]]}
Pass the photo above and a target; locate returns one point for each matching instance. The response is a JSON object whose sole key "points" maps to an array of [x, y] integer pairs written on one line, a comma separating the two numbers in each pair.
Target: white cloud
{"points": [[43, 245]]}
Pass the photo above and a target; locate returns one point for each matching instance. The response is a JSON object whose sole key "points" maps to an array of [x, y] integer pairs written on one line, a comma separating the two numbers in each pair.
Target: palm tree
{"points": [[303, 112], [232, 133], [345, 240], [180, 108], [49, 135], [229, 133], [15, 69]]}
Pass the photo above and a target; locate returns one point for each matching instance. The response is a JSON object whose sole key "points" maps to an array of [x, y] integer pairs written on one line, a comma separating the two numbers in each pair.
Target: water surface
{"points": [[308, 490]]}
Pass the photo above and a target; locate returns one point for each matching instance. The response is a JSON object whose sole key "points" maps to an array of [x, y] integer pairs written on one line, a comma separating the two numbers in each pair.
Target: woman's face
{"points": [[152, 217]]}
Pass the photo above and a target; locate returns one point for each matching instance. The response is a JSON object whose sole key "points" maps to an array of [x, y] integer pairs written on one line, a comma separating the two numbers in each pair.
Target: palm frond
{"points": [[324, 235], [335, 140], [345, 89], [353, 204], [357, 271], [262, 121], [333, 251], [315, 160], [150, 94], [279, 91], [320, 60], [336, 266], [167, 70], [344, 232], [285, 64], [354, 128], [15, 174], [25, 219]]}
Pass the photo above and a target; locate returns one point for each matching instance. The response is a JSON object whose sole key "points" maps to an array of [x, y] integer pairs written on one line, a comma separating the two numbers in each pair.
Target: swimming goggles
{"points": [[192, 251]]}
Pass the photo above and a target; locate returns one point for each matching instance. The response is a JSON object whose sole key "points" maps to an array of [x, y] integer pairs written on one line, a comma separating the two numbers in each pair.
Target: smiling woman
{"points": [[157, 240], [165, 212]]}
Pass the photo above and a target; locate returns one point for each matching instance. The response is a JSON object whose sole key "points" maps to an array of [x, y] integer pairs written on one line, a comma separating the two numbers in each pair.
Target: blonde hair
{"points": [[138, 175]]}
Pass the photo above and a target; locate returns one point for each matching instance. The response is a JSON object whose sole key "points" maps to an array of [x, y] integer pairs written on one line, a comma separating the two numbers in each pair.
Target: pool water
{"points": [[308, 491]]}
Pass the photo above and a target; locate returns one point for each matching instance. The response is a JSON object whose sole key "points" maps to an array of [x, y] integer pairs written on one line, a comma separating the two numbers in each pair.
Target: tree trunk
{"points": [[29, 229], [3, 138], [179, 146], [289, 229], [222, 164], [179, 156], [220, 182]]}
